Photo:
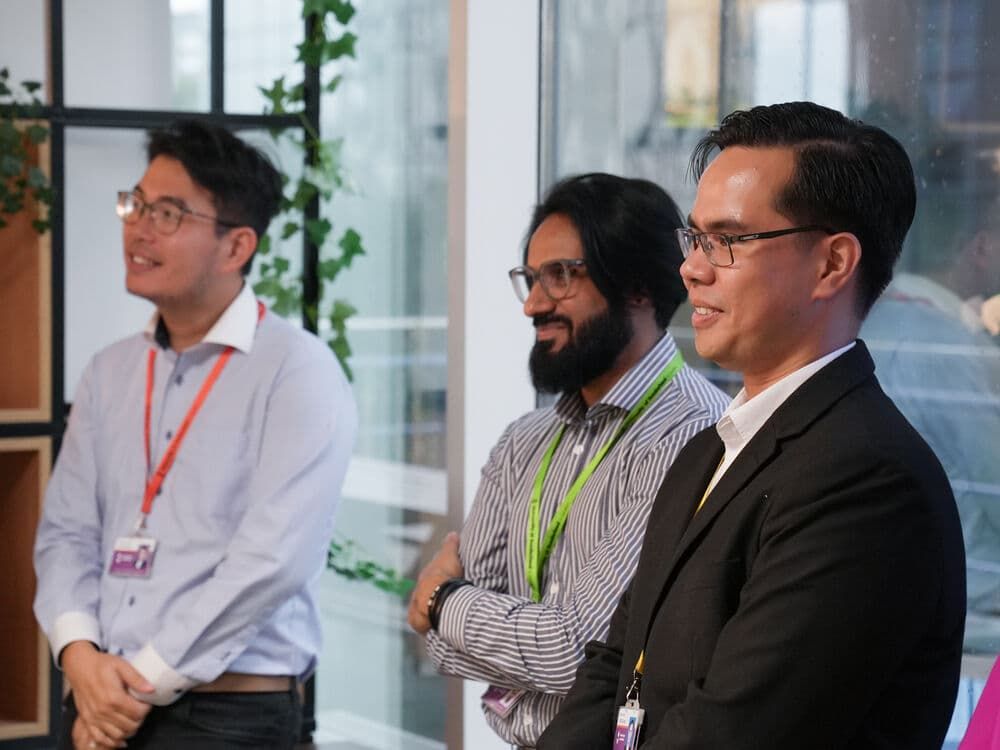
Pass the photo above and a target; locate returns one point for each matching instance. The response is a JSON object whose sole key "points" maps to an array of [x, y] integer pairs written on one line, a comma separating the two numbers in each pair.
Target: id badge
{"points": [[501, 701], [628, 725], [133, 557]]}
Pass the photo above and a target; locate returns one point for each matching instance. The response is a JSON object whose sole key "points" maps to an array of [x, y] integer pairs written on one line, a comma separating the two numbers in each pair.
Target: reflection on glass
{"points": [[923, 71], [375, 686], [99, 162], [260, 40], [154, 56], [23, 41]]}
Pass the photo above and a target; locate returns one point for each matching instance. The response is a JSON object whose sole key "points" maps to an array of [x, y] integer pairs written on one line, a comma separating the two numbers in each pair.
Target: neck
{"points": [[187, 324], [643, 340]]}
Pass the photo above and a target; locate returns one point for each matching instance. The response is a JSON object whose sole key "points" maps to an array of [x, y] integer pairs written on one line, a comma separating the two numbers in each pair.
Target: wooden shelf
{"points": [[25, 315], [24, 653]]}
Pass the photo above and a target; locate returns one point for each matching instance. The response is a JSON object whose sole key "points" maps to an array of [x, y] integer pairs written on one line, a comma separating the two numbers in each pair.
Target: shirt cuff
{"points": [[455, 613], [170, 684], [73, 626]]}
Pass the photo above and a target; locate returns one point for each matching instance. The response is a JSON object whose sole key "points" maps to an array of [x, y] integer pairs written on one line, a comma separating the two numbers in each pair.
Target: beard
{"points": [[590, 351]]}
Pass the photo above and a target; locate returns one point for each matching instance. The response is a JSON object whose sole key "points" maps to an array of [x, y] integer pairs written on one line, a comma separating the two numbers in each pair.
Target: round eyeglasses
{"points": [[165, 214], [718, 248], [555, 276]]}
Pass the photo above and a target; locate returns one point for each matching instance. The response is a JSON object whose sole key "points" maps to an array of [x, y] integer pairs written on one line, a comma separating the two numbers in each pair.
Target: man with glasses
{"points": [[554, 533], [801, 583], [188, 515]]}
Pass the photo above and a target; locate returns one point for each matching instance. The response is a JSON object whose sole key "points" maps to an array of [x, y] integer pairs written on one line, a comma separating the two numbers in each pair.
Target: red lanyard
{"points": [[154, 482]]}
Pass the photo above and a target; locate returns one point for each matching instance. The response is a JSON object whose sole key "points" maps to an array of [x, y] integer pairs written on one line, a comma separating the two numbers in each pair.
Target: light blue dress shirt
{"points": [[243, 519]]}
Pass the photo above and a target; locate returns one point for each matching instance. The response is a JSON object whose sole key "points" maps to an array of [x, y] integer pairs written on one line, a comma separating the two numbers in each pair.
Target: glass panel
{"points": [[99, 162], [924, 71], [161, 62], [24, 41], [391, 110], [261, 36]]}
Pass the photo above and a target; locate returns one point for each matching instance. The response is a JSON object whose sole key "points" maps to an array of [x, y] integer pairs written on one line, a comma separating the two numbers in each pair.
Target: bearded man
{"points": [[555, 530]]}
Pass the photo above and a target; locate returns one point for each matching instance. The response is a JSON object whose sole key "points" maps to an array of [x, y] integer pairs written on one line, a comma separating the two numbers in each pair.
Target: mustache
{"points": [[541, 320]]}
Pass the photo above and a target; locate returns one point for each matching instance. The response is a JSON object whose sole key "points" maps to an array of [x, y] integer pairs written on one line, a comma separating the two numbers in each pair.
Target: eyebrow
{"points": [[179, 202], [724, 226]]}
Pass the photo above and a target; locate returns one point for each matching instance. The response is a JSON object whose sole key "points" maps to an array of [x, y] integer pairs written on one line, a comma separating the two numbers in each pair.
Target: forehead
{"points": [[739, 188], [556, 238], [166, 177]]}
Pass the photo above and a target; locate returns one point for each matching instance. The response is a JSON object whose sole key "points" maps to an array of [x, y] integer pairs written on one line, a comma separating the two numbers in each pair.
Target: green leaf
{"points": [[310, 53], [337, 48], [31, 86], [37, 134], [333, 83], [350, 243], [281, 265], [40, 225], [342, 311], [329, 268], [304, 192], [342, 10], [4, 91], [37, 178], [264, 244], [10, 165], [318, 229], [290, 228], [275, 95]]}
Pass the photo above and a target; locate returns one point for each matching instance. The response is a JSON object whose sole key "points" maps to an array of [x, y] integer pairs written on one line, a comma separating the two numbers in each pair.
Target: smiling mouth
{"points": [[140, 260]]}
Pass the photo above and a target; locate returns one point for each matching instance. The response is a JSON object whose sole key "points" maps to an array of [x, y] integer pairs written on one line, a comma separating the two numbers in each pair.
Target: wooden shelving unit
{"points": [[27, 429], [24, 654], [25, 318]]}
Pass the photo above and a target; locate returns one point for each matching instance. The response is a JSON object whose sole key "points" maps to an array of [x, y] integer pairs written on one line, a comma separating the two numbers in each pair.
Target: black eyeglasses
{"points": [[165, 214], [718, 248], [555, 276]]}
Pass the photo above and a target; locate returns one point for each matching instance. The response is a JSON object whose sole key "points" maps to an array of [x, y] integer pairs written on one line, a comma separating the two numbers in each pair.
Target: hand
{"points": [[108, 714], [83, 740], [445, 564]]}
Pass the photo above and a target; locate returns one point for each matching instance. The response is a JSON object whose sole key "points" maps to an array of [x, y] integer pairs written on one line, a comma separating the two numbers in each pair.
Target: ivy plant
{"points": [[21, 179], [330, 39]]}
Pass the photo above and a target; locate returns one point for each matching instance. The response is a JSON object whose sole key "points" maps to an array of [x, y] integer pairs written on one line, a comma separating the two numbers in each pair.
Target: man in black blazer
{"points": [[802, 582]]}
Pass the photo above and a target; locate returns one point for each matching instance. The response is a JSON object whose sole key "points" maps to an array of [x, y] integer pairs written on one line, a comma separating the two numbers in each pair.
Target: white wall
{"points": [[493, 137]]}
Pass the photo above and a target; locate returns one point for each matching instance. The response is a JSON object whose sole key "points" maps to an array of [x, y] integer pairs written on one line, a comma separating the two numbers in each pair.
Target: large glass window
{"points": [[666, 70], [374, 687]]}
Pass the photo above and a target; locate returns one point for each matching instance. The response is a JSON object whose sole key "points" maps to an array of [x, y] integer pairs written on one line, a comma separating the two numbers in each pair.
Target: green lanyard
{"points": [[536, 549]]}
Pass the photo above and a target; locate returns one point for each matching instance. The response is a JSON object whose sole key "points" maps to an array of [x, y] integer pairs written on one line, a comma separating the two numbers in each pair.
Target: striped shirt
{"points": [[493, 631]]}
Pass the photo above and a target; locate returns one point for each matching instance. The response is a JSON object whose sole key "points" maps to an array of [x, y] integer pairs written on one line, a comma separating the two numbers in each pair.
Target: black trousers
{"points": [[211, 721]]}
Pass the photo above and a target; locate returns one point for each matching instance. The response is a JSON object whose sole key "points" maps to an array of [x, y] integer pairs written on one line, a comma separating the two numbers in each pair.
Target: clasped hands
{"points": [[107, 713], [445, 564]]}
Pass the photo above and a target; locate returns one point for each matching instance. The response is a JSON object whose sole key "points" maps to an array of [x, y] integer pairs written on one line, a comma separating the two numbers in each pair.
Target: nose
{"points": [[696, 269], [537, 302]]}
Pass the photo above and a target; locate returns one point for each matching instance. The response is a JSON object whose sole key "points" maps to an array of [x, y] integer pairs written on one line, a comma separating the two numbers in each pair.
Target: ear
{"points": [[839, 259], [239, 245]]}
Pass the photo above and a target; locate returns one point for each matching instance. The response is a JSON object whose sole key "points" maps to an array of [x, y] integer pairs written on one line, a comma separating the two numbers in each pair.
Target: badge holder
{"points": [[133, 555], [501, 701], [630, 717]]}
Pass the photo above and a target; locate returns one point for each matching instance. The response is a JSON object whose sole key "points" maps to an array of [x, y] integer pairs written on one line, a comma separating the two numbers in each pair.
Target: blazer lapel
{"points": [[673, 509]]}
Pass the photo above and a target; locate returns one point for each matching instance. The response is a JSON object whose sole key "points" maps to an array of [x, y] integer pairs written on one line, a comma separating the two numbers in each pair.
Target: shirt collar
{"points": [[236, 326], [744, 417], [625, 393]]}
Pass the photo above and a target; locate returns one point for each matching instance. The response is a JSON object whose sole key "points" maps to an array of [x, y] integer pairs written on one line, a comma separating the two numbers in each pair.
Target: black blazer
{"points": [[816, 601]]}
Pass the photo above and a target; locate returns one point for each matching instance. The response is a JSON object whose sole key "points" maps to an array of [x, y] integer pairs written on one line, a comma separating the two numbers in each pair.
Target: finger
{"points": [[133, 679], [451, 541]]}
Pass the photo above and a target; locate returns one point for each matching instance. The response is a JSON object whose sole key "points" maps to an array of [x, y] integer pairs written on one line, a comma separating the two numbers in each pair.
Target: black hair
{"points": [[626, 227], [849, 177], [245, 186]]}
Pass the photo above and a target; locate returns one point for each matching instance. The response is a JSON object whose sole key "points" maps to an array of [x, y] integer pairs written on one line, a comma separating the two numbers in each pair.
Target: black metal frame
{"points": [[61, 117]]}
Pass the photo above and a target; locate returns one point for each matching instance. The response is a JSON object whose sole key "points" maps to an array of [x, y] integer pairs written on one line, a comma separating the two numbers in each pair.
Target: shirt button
{"points": [[179, 379], [170, 434], [131, 601], [119, 651]]}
